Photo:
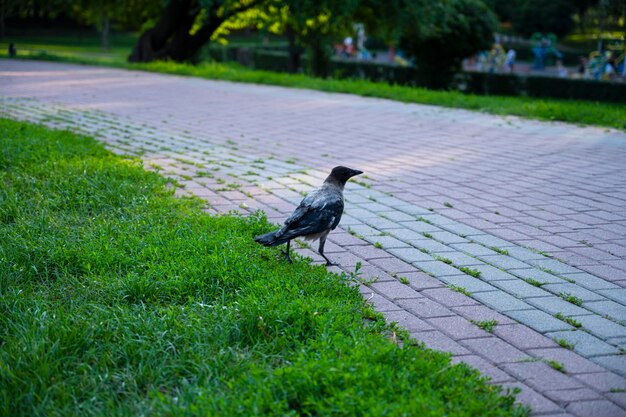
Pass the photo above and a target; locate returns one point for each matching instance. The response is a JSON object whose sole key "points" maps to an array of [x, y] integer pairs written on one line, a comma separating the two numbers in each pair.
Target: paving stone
{"points": [[603, 381], [457, 327], [492, 241], [539, 375], [599, 408], [539, 321], [485, 368], [584, 343], [371, 273], [601, 327], [573, 362], [573, 289], [522, 337], [473, 249], [501, 301], [504, 262], [490, 273], [591, 282], [394, 290], [437, 268], [431, 245], [449, 298], [420, 228], [571, 395], [618, 341], [520, 289], [411, 255], [462, 230], [404, 234], [537, 275], [618, 398], [387, 242], [471, 284], [397, 216], [393, 265], [379, 302], [609, 308], [421, 281], [554, 305], [439, 341], [618, 294], [553, 265], [523, 254], [495, 350], [406, 320], [458, 258], [615, 363], [447, 237], [365, 252], [424, 308], [537, 402], [482, 313]]}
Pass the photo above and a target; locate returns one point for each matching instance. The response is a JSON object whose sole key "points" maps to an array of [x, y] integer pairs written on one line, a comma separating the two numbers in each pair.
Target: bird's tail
{"points": [[270, 239]]}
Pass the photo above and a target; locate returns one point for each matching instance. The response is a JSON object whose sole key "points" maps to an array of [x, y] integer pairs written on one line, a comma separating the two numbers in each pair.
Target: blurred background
{"points": [[559, 48]]}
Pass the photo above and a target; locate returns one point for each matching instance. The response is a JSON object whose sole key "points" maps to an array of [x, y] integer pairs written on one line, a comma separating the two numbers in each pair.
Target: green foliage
{"points": [[569, 320], [461, 290], [571, 298], [531, 16], [440, 34], [486, 325], [119, 299], [556, 365], [470, 271]]}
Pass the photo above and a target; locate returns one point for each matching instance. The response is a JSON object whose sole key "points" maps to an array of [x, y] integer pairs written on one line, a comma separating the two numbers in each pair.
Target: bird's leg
{"points": [[286, 252], [321, 251]]}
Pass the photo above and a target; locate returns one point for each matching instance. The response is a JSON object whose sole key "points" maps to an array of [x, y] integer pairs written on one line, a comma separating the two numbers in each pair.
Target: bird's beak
{"points": [[355, 172]]}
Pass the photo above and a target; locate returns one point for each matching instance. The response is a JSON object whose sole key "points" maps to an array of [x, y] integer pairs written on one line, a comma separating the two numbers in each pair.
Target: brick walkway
{"points": [[463, 218]]}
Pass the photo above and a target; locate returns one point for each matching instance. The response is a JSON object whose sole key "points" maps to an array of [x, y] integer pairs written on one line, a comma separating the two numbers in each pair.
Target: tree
{"points": [[439, 35], [310, 25], [184, 27], [555, 16]]}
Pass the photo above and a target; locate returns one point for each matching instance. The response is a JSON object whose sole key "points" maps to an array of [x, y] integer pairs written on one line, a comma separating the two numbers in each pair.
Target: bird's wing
{"points": [[319, 211]]}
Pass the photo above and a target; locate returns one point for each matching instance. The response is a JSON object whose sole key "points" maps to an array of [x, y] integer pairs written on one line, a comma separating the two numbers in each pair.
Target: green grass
{"points": [[499, 250], [556, 365], [569, 320], [461, 290], [470, 271], [486, 325], [571, 298], [119, 299], [565, 344], [578, 112], [535, 283]]}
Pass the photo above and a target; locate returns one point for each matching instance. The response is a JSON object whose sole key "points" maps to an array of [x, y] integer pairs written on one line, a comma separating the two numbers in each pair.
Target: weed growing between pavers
{"points": [[486, 325], [118, 299]]}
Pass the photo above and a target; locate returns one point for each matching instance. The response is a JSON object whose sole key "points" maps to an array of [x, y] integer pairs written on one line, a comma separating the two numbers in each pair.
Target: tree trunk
{"points": [[170, 38], [106, 32], [293, 64]]}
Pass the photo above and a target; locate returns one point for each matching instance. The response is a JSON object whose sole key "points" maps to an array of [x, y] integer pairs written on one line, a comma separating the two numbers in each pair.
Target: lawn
{"points": [[120, 299], [578, 112]]}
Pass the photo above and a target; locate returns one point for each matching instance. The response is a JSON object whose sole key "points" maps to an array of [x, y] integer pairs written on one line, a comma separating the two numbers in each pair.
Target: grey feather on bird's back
{"points": [[319, 211]]}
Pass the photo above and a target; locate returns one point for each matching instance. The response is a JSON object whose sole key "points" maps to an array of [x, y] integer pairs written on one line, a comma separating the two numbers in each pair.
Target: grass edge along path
{"points": [[569, 111], [120, 299]]}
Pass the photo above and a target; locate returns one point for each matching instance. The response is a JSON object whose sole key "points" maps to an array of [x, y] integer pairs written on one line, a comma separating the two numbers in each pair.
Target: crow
{"points": [[318, 214]]}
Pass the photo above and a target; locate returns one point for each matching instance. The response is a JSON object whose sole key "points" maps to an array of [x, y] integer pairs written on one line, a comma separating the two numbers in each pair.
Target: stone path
{"points": [[496, 239]]}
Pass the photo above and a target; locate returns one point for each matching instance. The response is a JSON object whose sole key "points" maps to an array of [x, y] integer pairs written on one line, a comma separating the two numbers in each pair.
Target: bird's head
{"points": [[342, 174]]}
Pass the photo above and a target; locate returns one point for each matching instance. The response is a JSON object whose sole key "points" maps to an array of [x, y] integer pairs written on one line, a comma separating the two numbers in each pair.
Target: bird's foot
{"points": [[329, 263], [286, 253]]}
